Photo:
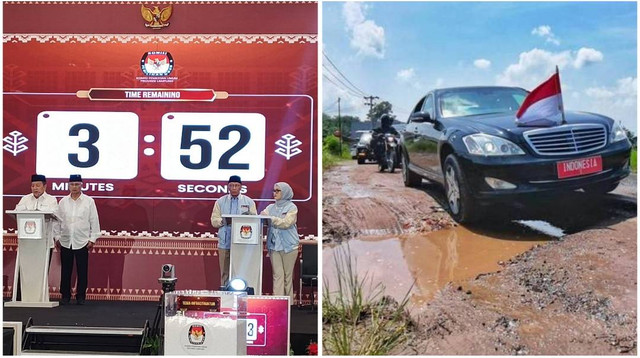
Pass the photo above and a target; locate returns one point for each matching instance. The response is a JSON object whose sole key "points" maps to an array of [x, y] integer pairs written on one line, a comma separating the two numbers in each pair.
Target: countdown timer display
{"points": [[164, 160]]}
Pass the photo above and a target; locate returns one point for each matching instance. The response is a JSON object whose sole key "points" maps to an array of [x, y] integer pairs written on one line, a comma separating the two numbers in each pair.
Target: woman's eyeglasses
{"points": [[276, 190]]}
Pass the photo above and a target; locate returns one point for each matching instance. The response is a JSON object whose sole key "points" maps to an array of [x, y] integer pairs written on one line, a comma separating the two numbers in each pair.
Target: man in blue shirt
{"points": [[233, 203]]}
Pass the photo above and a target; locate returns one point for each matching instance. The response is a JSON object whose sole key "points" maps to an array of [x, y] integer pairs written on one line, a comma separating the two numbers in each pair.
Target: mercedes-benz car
{"points": [[468, 140]]}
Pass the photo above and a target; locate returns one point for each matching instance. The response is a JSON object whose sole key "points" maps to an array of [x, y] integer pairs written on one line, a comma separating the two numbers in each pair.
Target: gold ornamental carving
{"points": [[156, 18]]}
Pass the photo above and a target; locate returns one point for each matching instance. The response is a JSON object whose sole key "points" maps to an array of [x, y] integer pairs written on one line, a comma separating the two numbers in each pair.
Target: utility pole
{"points": [[340, 126], [370, 104]]}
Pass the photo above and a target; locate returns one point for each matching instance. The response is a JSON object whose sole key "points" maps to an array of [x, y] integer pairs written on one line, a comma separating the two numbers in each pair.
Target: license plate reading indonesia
{"points": [[577, 167]]}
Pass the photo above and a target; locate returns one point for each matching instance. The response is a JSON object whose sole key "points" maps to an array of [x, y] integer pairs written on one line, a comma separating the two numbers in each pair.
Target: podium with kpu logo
{"points": [[32, 260], [246, 249]]}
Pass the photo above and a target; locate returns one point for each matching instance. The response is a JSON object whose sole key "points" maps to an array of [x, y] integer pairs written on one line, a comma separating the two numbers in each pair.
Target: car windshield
{"points": [[476, 101], [365, 138]]}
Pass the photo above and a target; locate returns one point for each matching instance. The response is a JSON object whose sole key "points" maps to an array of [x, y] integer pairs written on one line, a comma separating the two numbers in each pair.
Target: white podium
{"points": [[210, 323], [32, 260], [246, 249]]}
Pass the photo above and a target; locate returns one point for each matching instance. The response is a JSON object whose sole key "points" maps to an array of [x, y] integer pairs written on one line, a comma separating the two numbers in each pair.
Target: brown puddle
{"points": [[431, 260]]}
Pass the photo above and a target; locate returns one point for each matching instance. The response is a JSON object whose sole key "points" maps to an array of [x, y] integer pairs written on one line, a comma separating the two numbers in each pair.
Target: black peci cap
{"points": [[75, 178], [235, 179], [38, 177]]}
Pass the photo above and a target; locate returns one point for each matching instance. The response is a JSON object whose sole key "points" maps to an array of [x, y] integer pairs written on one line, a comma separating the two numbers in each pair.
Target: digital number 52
{"points": [[187, 142]]}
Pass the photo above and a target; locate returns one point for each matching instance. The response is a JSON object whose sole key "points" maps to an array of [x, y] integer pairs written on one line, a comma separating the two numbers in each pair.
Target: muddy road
{"points": [[359, 201], [556, 277]]}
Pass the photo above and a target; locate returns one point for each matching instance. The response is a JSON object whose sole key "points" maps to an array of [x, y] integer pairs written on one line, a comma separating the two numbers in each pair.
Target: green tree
{"points": [[378, 110], [330, 124]]}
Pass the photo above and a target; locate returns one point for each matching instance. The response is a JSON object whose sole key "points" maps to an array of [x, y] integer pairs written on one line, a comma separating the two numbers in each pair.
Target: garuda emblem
{"points": [[156, 18]]}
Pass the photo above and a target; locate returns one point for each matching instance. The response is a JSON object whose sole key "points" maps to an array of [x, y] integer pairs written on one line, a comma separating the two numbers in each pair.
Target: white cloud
{"points": [[353, 13], [624, 93], [587, 56], [617, 101], [599, 93], [366, 36], [482, 64], [536, 65], [533, 67], [409, 77], [406, 74], [628, 86], [545, 32]]}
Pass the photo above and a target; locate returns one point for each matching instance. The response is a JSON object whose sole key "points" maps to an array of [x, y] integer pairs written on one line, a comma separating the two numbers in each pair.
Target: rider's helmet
{"points": [[386, 121]]}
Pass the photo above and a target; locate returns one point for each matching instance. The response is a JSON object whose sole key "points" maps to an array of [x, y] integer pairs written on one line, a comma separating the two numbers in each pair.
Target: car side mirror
{"points": [[419, 117]]}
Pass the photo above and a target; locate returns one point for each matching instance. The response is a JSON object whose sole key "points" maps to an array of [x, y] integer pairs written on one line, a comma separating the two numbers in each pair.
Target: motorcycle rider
{"points": [[377, 141]]}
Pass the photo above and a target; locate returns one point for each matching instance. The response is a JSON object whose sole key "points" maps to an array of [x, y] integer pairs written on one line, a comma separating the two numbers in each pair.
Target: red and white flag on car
{"points": [[543, 105]]}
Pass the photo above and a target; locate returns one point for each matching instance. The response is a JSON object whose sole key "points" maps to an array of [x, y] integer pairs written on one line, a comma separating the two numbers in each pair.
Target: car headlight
{"points": [[485, 144], [617, 133]]}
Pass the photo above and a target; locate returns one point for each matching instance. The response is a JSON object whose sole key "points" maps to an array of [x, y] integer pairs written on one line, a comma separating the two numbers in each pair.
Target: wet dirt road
{"points": [[359, 201], [402, 237], [425, 263]]}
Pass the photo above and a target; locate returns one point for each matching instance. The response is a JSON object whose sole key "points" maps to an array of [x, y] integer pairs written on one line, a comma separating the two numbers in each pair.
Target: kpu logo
{"points": [[245, 231], [156, 63], [196, 334]]}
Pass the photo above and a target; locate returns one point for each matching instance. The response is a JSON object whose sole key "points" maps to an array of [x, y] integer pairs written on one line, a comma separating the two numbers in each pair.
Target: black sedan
{"points": [[364, 151], [467, 139]]}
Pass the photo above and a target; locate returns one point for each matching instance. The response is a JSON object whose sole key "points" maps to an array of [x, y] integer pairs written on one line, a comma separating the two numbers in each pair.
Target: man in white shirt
{"points": [[75, 236], [39, 200]]}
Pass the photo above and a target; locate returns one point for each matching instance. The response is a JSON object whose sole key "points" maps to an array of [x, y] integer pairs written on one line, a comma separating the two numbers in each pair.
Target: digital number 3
{"points": [[94, 153]]}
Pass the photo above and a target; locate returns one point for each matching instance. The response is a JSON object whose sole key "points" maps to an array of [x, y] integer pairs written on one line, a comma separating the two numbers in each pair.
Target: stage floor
{"points": [[304, 322]]}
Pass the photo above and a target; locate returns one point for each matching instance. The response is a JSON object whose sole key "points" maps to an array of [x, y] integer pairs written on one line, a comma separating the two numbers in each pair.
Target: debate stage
{"points": [[123, 286], [119, 314], [168, 143]]}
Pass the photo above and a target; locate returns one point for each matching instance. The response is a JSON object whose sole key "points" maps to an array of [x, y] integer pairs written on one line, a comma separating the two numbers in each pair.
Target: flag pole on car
{"points": [[542, 104], [561, 106]]}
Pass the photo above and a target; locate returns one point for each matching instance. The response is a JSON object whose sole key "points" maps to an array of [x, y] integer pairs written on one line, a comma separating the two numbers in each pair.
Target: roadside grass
{"points": [[356, 323], [329, 160], [331, 154], [634, 160]]}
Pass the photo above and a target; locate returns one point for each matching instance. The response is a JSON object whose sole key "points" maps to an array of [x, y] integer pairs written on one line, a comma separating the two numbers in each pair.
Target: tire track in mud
{"points": [[360, 201]]}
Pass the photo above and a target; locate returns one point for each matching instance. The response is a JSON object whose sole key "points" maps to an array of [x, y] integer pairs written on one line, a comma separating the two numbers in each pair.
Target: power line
{"points": [[362, 93], [349, 91], [341, 74], [345, 86]]}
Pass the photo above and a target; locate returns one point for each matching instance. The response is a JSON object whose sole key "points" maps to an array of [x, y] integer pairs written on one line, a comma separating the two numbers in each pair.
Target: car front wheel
{"points": [[461, 206], [410, 178]]}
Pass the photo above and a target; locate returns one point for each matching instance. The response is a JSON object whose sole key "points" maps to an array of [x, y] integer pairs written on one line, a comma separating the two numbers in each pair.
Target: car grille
{"points": [[572, 139]]}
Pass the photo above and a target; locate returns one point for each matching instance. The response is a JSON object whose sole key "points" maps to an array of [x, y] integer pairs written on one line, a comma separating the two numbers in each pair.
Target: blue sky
{"points": [[400, 50]]}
